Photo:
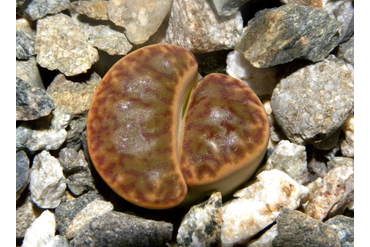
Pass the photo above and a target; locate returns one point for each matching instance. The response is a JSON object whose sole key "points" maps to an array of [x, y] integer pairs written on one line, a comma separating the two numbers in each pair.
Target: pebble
{"points": [[195, 26], [87, 214], [22, 172], [331, 142], [280, 35], [334, 195], [337, 161], [76, 170], [115, 228], [290, 158], [140, 19], [25, 39], [26, 213], [97, 10], [67, 211], [28, 71], [201, 226], [316, 164], [298, 229], [227, 7], [344, 226], [261, 80], [41, 231], [37, 9], [58, 241], [75, 132], [61, 44], [61, 118], [31, 102], [347, 145], [258, 205], [315, 101], [266, 239], [343, 12], [346, 51], [47, 182]]}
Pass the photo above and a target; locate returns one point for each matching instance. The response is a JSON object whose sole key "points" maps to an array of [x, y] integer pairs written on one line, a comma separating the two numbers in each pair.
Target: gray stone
{"points": [[67, 211], [75, 130], [139, 18], [201, 226], [25, 39], [32, 102], [280, 35], [26, 213], [28, 71], [330, 142], [22, 172], [119, 229], [93, 9], [344, 226], [346, 51], [316, 164], [298, 229], [337, 161], [315, 101], [76, 170], [58, 241], [227, 7], [47, 182], [61, 44], [343, 12], [195, 26], [60, 118], [291, 159], [37, 9]]}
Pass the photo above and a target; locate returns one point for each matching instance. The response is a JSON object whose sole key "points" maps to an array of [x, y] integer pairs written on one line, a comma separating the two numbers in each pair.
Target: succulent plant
{"points": [[158, 136]]}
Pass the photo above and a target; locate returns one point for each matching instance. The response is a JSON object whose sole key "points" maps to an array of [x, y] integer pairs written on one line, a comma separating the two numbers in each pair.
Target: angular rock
{"points": [[31, 103], [346, 51], [141, 19], [94, 9], [201, 226], [347, 145], [334, 195], [41, 231], [262, 81], [266, 239], [76, 170], [291, 159], [227, 7], [61, 44], [315, 101], [67, 211], [28, 71], [195, 26], [258, 205], [26, 213], [344, 226], [343, 12], [298, 229], [329, 143], [25, 39], [280, 35], [308, 3], [47, 182], [337, 161], [58, 241], [22, 172], [316, 164], [115, 228], [75, 130], [94, 209], [61, 118], [37, 9]]}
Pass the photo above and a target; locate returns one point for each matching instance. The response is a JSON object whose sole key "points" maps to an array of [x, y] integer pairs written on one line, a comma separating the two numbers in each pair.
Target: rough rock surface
{"points": [[279, 35], [346, 51], [227, 7], [347, 145], [337, 161], [298, 229], [25, 39], [37, 9], [28, 71], [266, 239], [26, 213], [58, 241], [94, 9], [194, 25], [344, 226], [22, 172], [258, 205], [47, 182], [315, 101], [343, 12], [114, 228], [201, 226], [61, 44], [140, 19], [32, 102], [309, 3]]}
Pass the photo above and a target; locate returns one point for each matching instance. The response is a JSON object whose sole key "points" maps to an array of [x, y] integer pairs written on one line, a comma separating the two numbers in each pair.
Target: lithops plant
{"points": [[159, 137]]}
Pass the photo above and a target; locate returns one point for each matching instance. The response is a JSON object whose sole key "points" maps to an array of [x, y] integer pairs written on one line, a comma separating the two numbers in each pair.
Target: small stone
{"points": [[31, 103], [334, 195], [262, 81], [201, 226], [258, 205], [47, 182], [291, 159], [140, 19], [344, 226], [87, 214], [22, 172], [346, 51], [75, 130], [338, 161], [347, 145], [28, 71], [37, 9], [25, 39], [26, 213], [329, 143], [343, 12], [41, 231], [67, 211], [114, 228], [316, 164], [315, 101], [58, 241], [298, 229], [94, 9], [195, 26], [75, 167], [61, 44], [266, 239], [61, 118], [227, 7], [280, 35], [308, 3]]}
